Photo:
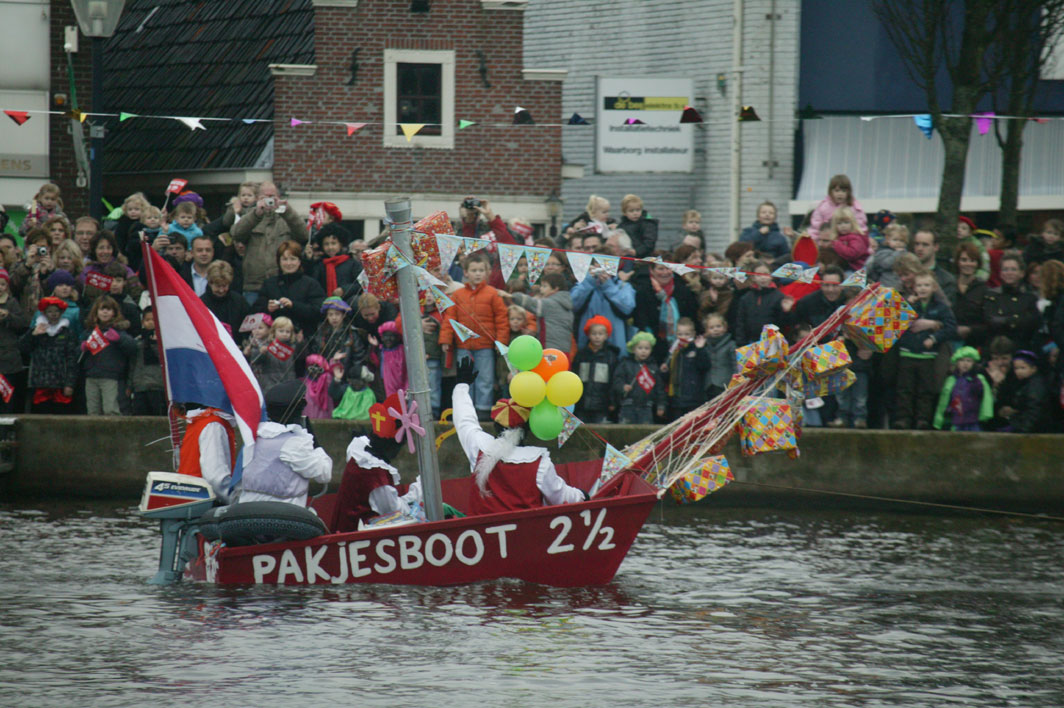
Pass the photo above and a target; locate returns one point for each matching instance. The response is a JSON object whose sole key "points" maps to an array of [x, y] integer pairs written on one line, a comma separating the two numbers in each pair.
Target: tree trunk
{"points": [[1011, 152], [956, 134]]}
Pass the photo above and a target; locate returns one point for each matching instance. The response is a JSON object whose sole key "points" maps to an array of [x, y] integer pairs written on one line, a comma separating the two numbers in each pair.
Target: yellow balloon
{"points": [[527, 389], [564, 389]]}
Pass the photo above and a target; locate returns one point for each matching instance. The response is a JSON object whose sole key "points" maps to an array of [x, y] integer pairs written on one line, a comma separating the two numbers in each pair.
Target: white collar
{"points": [[269, 429], [358, 452], [52, 329]]}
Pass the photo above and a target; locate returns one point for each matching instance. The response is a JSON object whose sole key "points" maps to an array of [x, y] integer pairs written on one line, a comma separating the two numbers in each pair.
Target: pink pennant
{"points": [[295, 122], [352, 127], [19, 117], [983, 121]]}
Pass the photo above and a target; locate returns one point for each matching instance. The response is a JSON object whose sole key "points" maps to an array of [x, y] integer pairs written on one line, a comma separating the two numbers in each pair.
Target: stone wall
{"points": [[107, 458]]}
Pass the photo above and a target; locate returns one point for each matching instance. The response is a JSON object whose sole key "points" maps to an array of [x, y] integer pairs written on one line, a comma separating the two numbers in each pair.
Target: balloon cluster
{"points": [[544, 385]]}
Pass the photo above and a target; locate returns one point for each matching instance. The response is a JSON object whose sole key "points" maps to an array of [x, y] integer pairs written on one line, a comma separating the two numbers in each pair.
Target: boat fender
{"points": [[267, 522]]}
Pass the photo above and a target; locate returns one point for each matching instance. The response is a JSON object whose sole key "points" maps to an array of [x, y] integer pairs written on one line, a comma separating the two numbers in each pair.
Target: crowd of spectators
{"points": [[77, 333]]}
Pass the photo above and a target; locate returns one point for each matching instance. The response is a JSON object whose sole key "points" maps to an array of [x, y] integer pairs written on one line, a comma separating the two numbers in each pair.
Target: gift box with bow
{"points": [[714, 473], [380, 273], [825, 359], [764, 357], [880, 322], [767, 427]]}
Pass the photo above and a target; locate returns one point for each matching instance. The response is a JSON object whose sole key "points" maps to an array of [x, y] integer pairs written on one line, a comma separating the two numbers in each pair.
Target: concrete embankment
{"points": [[102, 457]]}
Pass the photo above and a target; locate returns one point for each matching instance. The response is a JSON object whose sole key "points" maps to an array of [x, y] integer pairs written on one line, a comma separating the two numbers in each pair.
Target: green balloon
{"points": [[545, 421], [525, 352]]}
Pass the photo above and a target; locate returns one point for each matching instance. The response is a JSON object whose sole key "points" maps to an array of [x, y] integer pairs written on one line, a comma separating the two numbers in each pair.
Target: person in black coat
{"points": [[661, 297], [291, 293], [336, 269], [820, 304], [640, 228], [228, 305], [1010, 310], [1025, 407], [762, 304]]}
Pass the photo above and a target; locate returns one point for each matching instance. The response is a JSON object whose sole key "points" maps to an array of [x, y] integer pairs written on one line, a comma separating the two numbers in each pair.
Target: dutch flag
{"points": [[202, 363]]}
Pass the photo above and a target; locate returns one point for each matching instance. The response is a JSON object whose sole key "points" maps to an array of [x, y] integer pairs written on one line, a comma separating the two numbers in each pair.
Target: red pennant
{"points": [[352, 127], [19, 117], [280, 350]]}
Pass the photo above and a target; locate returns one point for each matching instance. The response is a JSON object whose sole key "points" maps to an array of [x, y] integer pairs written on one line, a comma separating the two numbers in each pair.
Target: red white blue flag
{"points": [[202, 362]]}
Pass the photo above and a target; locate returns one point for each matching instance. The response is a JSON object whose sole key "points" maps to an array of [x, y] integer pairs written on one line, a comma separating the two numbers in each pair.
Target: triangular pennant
{"points": [[125, 116], [395, 260], [925, 123], [577, 119], [352, 128], [609, 263], [77, 115], [569, 425], [808, 113], [868, 119], [690, 115], [248, 121], [475, 244], [443, 302], [537, 260], [509, 254], [579, 263], [858, 279], [411, 129], [748, 115], [503, 349], [522, 117], [363, 280], [793, 271], [19, 117], [634, 121], [294, 122], [612, 463], [679, 268], [462, 331], [192, 123], [463, 123], [983, 121], [809, 274], [448, 247]]}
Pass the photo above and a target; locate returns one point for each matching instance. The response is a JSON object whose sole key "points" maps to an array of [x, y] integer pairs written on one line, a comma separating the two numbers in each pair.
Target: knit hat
{"points": [[59, 277], [45, 302], [508, 414], [189, 196], [335, 303], [966, 353], [641, 337], [4, 275], [1028, 356], [598, 320], [966, 220]]}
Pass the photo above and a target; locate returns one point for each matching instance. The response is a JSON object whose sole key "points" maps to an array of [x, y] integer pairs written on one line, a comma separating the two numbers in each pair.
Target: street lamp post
{"points": [[554, 210], [98, 20]]}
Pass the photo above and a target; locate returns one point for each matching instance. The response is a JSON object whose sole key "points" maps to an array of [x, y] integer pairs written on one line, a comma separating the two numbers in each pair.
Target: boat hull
{"points": [[566, 545]]}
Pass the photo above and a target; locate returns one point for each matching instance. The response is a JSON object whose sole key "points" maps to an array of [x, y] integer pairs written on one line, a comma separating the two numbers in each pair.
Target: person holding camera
{"points": [[479, 221], [263, 229], [30, 275]]}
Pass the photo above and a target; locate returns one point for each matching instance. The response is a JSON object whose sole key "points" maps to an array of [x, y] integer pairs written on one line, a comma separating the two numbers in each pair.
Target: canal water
{"points": [[734, 607]]}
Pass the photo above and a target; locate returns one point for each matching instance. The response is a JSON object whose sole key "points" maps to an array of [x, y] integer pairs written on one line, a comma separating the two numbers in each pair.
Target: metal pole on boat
{"points": [[398, 211]]}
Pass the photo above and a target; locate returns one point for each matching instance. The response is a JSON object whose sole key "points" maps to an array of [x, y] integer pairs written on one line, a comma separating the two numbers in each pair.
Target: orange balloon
{"points": [[553, 362]]}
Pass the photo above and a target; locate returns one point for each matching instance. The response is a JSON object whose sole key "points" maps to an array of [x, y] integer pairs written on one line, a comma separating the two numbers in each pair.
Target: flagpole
{"points": [[398, 211]]}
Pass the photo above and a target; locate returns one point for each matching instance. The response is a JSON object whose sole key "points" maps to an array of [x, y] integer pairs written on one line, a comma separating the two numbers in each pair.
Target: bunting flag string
{"points": [[858, 279], [537, 261], [580, 263], [462, 331], [569, 425], [353, 128], [508, 257], [448, 247]]}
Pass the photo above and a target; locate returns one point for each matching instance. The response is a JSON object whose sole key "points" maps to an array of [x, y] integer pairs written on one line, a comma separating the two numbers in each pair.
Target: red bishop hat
{"points": [[383, 422]]}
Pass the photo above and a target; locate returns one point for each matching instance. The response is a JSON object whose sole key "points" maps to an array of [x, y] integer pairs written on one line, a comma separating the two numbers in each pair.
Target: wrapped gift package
{"points": [[880, 322], [764, 357], [828, 385], [380, 274], [825, 359], [767, 427], [714, 473]]}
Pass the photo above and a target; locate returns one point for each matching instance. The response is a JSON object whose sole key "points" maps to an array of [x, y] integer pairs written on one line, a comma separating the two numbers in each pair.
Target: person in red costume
{"points": [[506, 475]]}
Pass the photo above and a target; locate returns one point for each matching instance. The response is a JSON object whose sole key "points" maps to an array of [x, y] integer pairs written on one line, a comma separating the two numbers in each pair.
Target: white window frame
{"points": [[445, 58]]}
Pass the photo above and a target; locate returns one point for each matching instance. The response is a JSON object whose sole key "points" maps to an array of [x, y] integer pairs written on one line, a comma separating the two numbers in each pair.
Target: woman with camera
{"points": [[263, 229], [29, 276]]}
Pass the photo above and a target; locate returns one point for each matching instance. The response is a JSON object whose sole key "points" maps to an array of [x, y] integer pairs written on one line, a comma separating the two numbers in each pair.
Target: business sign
{"points": [[638, 125]]}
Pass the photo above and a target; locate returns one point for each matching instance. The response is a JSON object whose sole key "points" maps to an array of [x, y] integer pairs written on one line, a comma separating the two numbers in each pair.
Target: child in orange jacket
{"points": [[479, 308]]}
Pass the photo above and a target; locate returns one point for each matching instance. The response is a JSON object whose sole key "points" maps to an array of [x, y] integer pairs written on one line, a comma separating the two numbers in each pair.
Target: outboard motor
{"points": [[178, 501]]}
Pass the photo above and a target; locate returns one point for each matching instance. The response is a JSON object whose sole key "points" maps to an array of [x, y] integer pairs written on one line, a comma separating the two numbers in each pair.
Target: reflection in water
{"points": [[745, 607]]}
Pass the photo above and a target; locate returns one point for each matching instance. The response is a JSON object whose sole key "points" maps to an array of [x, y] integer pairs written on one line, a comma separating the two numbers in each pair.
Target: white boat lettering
{"points": [[501, 530], [263, 564], [410, 556], [434, 540], [354, 550], [342, 553], [606, 531], [289, 566], [556, 545], [314, 570], [459, 547], [384, 547]]}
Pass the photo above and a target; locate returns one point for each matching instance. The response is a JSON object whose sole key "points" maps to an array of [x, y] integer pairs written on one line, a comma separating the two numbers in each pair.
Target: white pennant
{"points": [[508, 257], [609, 263], [537, 260], [858, 278], [448, 247], [580, 264], [192, 123]]}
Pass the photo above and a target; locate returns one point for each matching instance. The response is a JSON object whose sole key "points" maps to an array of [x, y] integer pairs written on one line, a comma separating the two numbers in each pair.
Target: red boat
{"points": [[567, 545]]}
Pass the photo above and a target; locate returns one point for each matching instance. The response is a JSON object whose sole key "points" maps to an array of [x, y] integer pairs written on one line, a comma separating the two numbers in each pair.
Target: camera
{"points": [[42, 251], [270, 201], [470, 203]]}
